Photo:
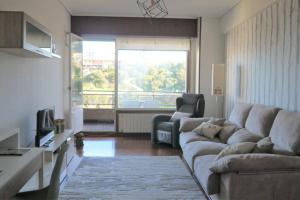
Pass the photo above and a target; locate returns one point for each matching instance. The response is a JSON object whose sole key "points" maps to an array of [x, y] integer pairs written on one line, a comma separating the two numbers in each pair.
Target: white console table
{"points": [[9, 138], [17, 170]]}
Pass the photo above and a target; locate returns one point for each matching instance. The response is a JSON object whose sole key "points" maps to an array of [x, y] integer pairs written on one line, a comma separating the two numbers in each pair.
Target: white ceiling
{"points": [[128, 8]]}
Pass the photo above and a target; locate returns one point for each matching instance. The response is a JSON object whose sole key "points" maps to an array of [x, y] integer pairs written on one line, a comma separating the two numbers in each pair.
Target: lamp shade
{"points": [[218, 80]]}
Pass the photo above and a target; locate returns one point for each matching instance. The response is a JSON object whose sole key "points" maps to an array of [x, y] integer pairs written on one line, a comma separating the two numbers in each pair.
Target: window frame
{"points": [[116, 105]]}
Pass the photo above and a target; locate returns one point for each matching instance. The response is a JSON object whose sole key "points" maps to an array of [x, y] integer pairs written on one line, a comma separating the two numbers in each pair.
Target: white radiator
{"points": [[135, 122]]}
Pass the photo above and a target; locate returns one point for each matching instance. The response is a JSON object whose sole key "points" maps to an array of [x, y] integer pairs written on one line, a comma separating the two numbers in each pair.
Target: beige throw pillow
{"points": [[217, 121], [188, 124], [239, 148], [265, 145], [207, 130]]}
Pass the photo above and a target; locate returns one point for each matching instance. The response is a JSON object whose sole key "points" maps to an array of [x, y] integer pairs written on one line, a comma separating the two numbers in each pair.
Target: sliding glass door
{"points": [[131, 73], [76, 112]]}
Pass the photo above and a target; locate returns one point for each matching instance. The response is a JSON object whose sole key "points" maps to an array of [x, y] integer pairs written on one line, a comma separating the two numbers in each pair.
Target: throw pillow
{"points": [[239, 148], [227, 131], [188, 124], [217, 121], [207, 130], [243, 135], [265, 145], [179, 115]]}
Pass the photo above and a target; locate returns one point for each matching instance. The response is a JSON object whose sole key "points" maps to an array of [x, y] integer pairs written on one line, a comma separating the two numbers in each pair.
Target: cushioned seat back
{"points": [[191, 103], [239, 114], [260, 119], [285, 132]]}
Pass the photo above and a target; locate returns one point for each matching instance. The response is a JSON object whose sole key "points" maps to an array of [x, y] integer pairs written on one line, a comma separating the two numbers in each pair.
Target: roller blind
{"points": [[148, 43]]}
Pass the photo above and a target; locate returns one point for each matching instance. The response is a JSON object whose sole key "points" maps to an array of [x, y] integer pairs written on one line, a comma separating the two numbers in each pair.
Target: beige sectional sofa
{"points": [[248, 176]]}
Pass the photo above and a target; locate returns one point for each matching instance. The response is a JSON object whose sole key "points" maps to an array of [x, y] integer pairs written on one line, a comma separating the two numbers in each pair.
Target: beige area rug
{"points": [[132, 178]]}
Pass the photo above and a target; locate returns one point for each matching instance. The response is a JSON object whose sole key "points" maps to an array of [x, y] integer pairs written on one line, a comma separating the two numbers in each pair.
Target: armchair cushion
{"points": [[160, 118], [165, 126], [179, 115], [188, 124], [255, 162], [260, 120], [239, 114], [187, 108], [243, 135]]}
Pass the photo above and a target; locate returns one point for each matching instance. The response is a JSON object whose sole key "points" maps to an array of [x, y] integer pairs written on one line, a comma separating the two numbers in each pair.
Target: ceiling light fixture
{"points": [[153, 8]]}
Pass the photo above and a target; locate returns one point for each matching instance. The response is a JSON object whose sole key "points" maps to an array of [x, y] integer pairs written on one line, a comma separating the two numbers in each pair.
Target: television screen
{"points": [[45, 125]]}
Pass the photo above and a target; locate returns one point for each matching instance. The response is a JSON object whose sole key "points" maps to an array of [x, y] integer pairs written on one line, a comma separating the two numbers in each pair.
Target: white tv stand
{"points": [[57, 142]]}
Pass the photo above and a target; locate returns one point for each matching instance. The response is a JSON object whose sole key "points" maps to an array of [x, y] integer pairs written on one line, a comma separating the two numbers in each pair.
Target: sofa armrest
{"points": [[256, 162]]}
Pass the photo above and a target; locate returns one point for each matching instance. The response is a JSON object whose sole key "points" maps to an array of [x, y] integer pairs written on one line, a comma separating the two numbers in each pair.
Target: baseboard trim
{"points": [[147, 135], [98, 121]]}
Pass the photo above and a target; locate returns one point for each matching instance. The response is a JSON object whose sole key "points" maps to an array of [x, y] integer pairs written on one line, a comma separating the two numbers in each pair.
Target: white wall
{"points": [[30, 84], [242, 11], [212, 52]]}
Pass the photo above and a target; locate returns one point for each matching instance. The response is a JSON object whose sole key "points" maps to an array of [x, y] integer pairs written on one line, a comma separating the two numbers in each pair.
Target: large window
{"points": [[151, 73], [151, 79]]}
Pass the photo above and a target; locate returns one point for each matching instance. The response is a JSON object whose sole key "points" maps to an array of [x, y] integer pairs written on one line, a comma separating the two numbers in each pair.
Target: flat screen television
{"points": [[45, 126]]}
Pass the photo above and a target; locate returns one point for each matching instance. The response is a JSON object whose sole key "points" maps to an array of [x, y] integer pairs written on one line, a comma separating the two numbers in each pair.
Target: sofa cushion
{"points": [[188, 137], [207, 130], [188, 124], [209, 181], [227, 130], [239, 114], [179, 115], [285, 132], [278, 150], [260, 120], [239, 148], [243, 135], [165, 126], [200, 148], [255, 162]]}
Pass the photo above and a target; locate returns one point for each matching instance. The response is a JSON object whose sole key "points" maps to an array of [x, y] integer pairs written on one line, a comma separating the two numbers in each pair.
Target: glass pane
{"points": [[99, 74], [76, 70], [151, 79], [38, 38]]}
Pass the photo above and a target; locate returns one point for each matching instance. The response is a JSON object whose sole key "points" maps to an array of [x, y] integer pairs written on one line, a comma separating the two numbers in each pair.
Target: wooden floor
{"points": [[124, 146]]}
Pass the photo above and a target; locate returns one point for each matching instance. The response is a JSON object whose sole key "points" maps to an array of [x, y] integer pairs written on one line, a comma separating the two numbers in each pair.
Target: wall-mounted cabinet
{"points": [[21, 35]]}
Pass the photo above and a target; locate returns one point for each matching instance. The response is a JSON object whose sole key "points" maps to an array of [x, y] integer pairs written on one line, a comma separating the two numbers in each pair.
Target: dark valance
{"points": [[94, 25]]}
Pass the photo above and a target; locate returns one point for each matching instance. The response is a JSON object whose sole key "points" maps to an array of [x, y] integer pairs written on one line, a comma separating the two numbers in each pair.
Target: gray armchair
{"points": [[166, 131]]}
